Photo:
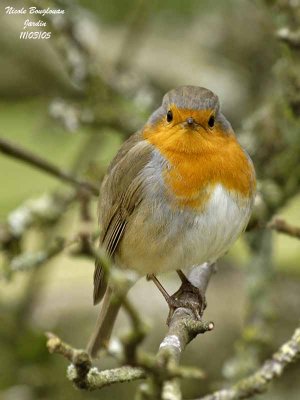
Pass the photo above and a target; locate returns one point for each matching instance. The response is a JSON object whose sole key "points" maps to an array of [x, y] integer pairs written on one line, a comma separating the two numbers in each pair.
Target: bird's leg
{"points": [[172, 302], [182, 277], [187, 296], [152, 277]]}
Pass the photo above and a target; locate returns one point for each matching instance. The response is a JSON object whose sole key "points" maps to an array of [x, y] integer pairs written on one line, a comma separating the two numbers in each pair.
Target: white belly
{"points": [[217, 228], [161, 239]]}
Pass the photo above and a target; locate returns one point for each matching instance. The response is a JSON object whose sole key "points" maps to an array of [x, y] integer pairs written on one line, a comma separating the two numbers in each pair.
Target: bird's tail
{"points": [[105, 322]]}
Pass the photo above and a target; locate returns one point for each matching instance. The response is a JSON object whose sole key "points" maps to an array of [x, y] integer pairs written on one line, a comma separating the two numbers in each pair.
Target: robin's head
{"points": [[188, 119], [199, 144]]}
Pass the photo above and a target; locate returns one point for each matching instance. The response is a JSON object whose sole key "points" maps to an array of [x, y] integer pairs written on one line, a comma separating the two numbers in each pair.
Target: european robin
{"points": [[178, 194]]}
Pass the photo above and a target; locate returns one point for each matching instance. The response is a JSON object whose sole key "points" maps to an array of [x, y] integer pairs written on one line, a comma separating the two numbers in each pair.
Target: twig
{"points": [[85, 376], [182, 329], [45, 210], [81, 372], [281, 226], [26, 261], [12, 150], [258, 382], [164, 369]]}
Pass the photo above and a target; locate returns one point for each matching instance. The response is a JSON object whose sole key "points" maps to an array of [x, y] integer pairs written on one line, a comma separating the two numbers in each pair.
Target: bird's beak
{"points": [[190, 122]]}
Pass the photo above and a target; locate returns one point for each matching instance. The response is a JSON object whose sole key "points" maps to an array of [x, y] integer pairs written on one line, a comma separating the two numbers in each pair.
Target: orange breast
{"points": [[201, 160]]}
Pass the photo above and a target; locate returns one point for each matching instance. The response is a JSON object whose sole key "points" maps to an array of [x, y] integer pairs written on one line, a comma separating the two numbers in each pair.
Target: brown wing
{"points": [[121, 192]]}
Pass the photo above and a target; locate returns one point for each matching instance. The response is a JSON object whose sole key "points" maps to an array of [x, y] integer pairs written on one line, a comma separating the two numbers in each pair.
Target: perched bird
{"points": [[178, 193]]}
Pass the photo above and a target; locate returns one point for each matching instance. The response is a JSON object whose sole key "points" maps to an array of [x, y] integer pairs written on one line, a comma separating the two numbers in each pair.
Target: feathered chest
{"points": [[196, 164], [191, 179], [177, 237]]}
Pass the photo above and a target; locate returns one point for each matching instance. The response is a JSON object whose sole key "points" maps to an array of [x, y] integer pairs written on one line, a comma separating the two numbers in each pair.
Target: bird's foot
{"points": [[187, 296]]}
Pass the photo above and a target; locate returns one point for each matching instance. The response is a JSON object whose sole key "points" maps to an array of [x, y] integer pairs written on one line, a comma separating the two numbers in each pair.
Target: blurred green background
{"points": [[74, 104]]}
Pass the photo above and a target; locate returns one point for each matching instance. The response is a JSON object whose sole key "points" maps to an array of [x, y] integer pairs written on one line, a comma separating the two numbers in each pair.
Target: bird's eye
{"points": [[169, 116], [211, 121]]}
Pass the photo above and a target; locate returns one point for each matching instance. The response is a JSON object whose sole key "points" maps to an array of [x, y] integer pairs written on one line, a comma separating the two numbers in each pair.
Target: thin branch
{"points": [[281, 226], [85, 376], [26, 261], [81, 372], [183, 327], [258, 382], [12, 150], [43, 211], [164, 369], [29, 260]]}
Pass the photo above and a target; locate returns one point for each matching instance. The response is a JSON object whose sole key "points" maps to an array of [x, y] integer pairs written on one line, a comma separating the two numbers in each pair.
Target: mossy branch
{"points": [[183, 327], [163, 370], [258, 382], [81, 372]]}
